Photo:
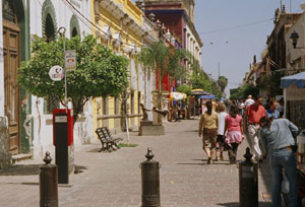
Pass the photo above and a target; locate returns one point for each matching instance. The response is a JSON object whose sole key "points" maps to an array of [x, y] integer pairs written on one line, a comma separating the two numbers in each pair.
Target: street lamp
{"points": [[294, 37]]}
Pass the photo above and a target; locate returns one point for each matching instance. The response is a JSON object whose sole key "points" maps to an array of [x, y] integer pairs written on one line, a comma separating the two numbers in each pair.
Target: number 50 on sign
{"points": [[70, 59]]}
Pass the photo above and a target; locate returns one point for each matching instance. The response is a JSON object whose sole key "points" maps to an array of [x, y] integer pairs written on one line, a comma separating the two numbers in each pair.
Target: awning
{"points": [[199, 91], [297, 79], [178, 96], [209, 96]]}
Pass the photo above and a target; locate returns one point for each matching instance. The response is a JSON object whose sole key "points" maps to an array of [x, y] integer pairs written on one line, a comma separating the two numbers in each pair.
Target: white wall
{"points": [[192, 44], [43, 130]]}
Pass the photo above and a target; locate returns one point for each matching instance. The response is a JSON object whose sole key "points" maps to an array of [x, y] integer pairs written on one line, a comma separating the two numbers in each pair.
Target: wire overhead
{"points": [[86, 20], [237, 26]]}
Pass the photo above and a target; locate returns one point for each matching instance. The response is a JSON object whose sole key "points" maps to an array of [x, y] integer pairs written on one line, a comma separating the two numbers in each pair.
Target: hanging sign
{"points": [[56, 73], [70, 60]]}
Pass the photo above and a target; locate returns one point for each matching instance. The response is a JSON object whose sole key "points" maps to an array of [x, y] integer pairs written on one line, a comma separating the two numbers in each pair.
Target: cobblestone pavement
{"points": [[113, 179]]}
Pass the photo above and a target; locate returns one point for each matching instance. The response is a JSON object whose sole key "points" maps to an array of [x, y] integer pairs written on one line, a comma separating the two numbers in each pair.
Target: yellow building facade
{"points": [[119, 26]]}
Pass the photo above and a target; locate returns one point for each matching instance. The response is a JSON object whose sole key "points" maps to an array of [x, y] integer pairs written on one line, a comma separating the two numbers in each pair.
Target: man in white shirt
{"points": [[249, 101], [221, 109]]}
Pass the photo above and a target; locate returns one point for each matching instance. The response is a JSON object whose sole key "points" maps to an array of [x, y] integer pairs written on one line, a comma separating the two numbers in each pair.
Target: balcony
{"points": [[131, 9]]}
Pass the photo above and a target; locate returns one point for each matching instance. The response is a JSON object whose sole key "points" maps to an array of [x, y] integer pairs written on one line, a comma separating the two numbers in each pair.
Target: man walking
{"points": [[253, 114]]}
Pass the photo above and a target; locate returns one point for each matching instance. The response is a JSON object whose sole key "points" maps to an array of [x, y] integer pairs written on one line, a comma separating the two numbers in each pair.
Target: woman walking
{"points": [[221, 109], [277, 136], [208, 126], [234, 132]]}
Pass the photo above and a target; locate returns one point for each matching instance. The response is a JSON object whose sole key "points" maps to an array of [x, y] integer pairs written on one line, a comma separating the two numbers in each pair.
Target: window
{"points": [[74, 32], [49, 29], [132, 102], [74, 26], [116, 105], [139, 102], [104, 106]]}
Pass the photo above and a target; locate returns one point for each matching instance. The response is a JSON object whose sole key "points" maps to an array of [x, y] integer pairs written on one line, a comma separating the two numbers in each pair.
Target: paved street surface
{"points": [[113, 179]]}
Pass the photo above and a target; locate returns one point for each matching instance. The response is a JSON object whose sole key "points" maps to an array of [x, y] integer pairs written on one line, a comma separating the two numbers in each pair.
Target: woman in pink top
{"points": [[233, 129]]}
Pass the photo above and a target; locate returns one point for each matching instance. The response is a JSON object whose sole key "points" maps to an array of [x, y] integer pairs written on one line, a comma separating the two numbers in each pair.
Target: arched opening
{"points": [[74, 32], [49, 25], [74, 26], [49, 32], [49, 29]]}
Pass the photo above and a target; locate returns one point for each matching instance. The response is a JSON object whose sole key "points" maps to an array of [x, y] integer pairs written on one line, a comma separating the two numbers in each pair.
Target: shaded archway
{"points": [[74, 26], [49, 25], [49, 32]]}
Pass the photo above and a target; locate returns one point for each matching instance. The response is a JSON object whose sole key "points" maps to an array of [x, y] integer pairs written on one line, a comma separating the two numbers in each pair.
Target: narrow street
{"points": [[114, 180]]}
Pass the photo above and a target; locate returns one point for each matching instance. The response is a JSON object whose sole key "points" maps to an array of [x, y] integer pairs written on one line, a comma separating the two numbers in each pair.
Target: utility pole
{"points": [[218, 70]]}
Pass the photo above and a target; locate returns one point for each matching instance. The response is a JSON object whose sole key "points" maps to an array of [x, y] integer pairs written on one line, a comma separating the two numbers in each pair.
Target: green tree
{"points": [[98, 71], [244, 91], [184, 89], [202, 80], [156, 56], [222, 83]]}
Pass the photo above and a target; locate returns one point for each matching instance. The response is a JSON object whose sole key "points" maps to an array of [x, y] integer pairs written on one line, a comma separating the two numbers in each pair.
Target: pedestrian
{"points": [[221, 109], [208, 126], [253, 114], [278, 138], [272, 110], [242, 107], [280, 107], [249, 101], [234, 132]]}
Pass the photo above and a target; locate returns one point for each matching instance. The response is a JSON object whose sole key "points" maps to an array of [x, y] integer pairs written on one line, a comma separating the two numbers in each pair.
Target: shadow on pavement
{"points": [[16, 170], [191, 131], [95, 150], [186, 163], [79, 169], [261, 204]]}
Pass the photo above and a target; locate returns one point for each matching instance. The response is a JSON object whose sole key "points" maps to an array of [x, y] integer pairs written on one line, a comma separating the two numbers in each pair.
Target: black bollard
{"points": [[48, 183], [248, 182], [150, 181]]}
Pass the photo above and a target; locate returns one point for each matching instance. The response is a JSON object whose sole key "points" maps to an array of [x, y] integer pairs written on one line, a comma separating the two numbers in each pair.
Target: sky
{"points": [[233, 31]]}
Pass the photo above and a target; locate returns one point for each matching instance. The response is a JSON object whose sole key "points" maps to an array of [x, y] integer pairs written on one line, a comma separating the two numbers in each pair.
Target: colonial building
{"points": [[276, 44], [295, 59], [29, 118], [178, 17], [123, 28]]}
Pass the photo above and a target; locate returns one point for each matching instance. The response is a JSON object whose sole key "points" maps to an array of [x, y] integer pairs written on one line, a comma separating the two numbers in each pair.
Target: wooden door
{"points": [[11, 49]]}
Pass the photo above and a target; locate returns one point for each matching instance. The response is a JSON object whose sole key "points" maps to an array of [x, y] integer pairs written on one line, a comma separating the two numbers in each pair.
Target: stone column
{"points": [[165, 95], [5, 156], [157, 99]]}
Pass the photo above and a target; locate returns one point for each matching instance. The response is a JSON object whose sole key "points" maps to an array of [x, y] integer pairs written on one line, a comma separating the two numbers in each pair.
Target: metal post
{"points": [[248, 182], [62, 33], [48, 183], [150, 181], [61, 147]]}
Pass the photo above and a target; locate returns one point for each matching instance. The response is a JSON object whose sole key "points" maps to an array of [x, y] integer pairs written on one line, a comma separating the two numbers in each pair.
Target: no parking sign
{"points": [[56, 73], [70, 60]]}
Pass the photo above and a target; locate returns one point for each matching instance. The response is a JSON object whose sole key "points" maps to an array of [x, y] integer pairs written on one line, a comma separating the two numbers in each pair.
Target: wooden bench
{"points": [[109, 137], [108, 142]]}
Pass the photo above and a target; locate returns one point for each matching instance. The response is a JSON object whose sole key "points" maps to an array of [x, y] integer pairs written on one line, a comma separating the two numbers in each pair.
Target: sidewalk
{"points": [[114, 180]]}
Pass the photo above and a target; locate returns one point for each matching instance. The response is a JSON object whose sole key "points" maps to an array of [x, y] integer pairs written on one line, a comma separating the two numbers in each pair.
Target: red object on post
{"points": [[70, 125]]}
